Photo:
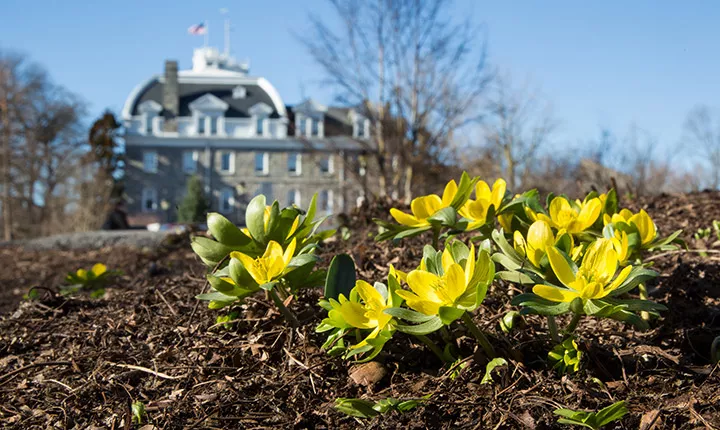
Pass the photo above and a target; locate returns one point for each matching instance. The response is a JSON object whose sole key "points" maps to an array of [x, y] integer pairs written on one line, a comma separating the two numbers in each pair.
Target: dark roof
{"points": [[237, 108]]}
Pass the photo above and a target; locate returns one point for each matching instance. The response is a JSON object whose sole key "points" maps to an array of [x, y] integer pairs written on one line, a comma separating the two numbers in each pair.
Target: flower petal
{"points": [[369, 295], [482, 191], [589, 213], [645, 225], [406, 219], [273, 250], [289, 252], [560, 266], [455, 284], [498, 192], [539, 238], [555, 294], [98, 269], [424, 284], [449, 193], [621, 277]]}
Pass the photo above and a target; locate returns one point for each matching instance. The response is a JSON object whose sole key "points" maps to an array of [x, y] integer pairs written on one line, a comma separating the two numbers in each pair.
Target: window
{"points": [[315, 127], [294, 163], [239, 92], [227, 162], [360, 126], [213, 125], [189, 161], [148, 124], [149, 200], [150, 161], [293, 198], [325, 201], [266, 190], [302, 125], [262, 163], [325, 164], [201, 125], [227, 200], [259, 126]]}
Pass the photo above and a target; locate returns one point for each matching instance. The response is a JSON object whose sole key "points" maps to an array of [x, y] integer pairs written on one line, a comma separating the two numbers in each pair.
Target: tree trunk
{"points": [[7, 177], [510, 168], [408, 183]]}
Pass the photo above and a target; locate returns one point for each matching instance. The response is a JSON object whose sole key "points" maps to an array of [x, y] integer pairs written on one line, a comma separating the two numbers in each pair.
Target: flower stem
{"points": [[573, 323], [430, 344], [642, 289], [436, 238], [479, 335], [552, 326], [286, 313]]}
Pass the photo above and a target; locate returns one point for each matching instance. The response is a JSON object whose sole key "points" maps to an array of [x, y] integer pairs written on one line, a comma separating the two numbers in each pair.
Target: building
{"points": [[235, 132]]}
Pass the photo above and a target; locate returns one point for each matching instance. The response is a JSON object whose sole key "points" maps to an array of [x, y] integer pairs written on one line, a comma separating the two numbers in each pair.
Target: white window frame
{"points": [[361, 123], [154, 167], [265, 164], [330, 169], [149, 193], [213, 120], [201, 122], [239, 92], [221, 200], [296, 197], [263, 121], [231, 170], [261, 190], [328, 202], [298, 163], [194, 156]]}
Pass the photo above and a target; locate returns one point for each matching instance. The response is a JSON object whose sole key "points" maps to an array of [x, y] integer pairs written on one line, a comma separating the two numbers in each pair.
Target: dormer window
{"points": [[361, 128], [301, 127], [149, 110], [315, 129], [207, 112], [260, 113], [239, 92]]}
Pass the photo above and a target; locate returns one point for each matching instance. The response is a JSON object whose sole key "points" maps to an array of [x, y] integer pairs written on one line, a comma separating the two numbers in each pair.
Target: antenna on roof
{"points": [[225, 11]]}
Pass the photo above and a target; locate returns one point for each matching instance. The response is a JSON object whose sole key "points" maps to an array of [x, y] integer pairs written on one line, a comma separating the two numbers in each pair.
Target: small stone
{"points": [[367, 374]]}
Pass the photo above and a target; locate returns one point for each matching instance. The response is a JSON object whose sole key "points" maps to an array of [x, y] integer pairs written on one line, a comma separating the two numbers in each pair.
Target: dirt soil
{"points": [[80, 362]]}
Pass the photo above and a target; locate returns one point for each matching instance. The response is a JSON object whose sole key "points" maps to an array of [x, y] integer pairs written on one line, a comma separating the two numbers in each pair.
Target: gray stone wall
{"points": [[170, 180]]}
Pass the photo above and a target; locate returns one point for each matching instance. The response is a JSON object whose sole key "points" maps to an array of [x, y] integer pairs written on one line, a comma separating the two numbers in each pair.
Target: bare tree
{"points": [[704, 133], [41, 137], [518, 124], [402, 62]]}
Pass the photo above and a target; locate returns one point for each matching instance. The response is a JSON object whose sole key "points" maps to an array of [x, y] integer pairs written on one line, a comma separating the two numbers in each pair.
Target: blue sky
{"points": [[605, 63]]}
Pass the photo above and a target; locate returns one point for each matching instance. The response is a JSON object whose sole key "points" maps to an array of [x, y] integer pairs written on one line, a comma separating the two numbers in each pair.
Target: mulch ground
{"points": [[80, 362]]}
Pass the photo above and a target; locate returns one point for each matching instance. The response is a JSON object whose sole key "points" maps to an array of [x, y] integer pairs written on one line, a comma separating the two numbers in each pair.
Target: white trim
{"points": [[298, 163], [134, 94], [208, 103], [195, 156], [260, 109], [296, 200], [276, 144], [154, 168], [265, 164], [331, 164], [150, 106], [148, 193], [232, 162]]}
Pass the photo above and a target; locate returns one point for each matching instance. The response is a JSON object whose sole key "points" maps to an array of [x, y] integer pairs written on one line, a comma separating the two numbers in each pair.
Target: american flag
{"points": [[197, 29]]}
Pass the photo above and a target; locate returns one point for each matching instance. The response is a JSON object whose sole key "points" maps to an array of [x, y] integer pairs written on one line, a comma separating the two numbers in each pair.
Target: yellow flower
{"points": [[476, 210], [623, 216], [364, 310], [594, 278], [453, 289], [270, 265], [426, 206], [645, 226], [539, 238], [621, 244], [572, 218]]}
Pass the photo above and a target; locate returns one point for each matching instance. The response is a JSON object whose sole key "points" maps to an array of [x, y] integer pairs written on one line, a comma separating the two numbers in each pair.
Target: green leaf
{"points": [[216, 296], [255, 218], [408, 315], [637, 275], [449, 314], [421, 329], [515, 277], [611, 413], [240, 275], [356, 407], [226, 232], [495, 362], [533, 304], [340, 277], [210, 251], [446, 217]]}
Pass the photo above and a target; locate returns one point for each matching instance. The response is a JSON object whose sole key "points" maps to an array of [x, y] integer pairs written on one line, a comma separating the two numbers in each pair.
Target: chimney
{"points": [[171, 95]]}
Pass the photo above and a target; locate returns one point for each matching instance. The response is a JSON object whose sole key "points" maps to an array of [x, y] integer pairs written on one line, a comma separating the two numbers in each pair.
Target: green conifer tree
{"points": [[195, 205]]}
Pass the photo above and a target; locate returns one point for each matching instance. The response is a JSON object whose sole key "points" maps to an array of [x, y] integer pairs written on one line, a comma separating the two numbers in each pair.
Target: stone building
{"points": [[234, 131]]}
